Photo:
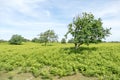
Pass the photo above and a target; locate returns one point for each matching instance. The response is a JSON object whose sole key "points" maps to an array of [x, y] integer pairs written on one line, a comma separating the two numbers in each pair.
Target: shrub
{"points": [[16, 39], [63, 41]]}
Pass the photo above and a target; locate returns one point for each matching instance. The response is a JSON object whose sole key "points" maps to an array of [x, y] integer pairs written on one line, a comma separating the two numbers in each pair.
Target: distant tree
{"points": [[36, 40], [25, 40], [16, 39], [114, 41], [71, 40], [48, 36], [86, 29], [63, 40], [1, 41]]}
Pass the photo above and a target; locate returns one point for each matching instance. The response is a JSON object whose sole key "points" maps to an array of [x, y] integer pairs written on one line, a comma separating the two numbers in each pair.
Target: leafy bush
{"points": [[16, 39], [63, 41]]}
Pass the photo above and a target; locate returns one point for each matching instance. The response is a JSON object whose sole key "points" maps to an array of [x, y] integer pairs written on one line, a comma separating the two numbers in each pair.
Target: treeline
{"points": [[44, 37], [84, 29]]}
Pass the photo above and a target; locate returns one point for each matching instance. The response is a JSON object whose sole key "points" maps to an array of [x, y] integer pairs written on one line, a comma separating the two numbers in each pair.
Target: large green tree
{"points": [[86, 29], [48, 36]]}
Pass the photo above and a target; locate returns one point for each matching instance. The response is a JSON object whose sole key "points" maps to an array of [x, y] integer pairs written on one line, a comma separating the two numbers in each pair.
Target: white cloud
{"points": [[30, 17], [110, 8], [115, 24], [23, 7]]}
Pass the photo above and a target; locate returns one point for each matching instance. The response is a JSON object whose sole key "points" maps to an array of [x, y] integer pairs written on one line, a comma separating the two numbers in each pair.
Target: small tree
{"points": [[16, 39], [2, 41], [86, 29], [35, 40], [63, 41], [71, 40], [48, 36], [25, 40]]}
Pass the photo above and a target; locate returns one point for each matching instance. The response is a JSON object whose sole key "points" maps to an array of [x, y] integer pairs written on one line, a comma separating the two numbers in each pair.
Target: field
{"points": [[33, 61]]}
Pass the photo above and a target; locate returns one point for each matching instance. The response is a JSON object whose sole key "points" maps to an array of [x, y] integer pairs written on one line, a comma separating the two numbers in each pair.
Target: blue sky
{"points": [[31, 17]]}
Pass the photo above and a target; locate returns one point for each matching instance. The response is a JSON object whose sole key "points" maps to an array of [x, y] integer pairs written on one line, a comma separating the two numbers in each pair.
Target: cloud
{"points": [[22, 9], [115, 24], [24, 6], [30, 17], [111, 8]]}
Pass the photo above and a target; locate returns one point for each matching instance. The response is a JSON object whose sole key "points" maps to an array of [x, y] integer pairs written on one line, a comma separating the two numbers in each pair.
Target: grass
{"points": [[97, 60]]}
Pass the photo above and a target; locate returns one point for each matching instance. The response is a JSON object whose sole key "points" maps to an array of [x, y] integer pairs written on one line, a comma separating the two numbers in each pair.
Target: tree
{"points": [[71, 40], [2, 41], [16, 39], [48, 36], [86, 29], [25, 40], [35, 40], [63, 41]]}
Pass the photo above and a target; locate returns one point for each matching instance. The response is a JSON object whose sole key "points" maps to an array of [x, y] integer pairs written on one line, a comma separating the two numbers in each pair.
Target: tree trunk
{"points": [[77, 45]]}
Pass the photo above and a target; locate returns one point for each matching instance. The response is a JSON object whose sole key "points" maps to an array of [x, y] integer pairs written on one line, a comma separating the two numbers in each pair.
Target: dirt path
{"points": [[28, 76]]}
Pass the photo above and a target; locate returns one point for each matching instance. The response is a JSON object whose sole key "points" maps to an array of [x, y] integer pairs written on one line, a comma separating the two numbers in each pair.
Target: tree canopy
{"points": [[63, 40], [48, 36], [86, 29], [16, 39]]}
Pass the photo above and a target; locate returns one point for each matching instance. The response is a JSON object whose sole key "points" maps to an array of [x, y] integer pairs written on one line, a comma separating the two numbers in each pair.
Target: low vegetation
{"points": [[47, 61], [101, 60]]}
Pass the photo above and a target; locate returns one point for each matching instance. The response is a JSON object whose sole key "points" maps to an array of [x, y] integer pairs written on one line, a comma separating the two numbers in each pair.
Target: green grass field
{"points": [[56, 61]]}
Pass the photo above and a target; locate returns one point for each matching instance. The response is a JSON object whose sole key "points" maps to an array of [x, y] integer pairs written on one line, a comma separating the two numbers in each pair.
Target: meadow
{"points": [[55, 61]]}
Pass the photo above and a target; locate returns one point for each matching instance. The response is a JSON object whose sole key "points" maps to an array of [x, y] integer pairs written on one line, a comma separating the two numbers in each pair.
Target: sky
{"points": [[31, 17]]}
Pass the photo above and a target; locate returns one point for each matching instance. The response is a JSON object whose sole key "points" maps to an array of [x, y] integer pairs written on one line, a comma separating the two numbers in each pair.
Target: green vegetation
{"points": [[36, 40], [86, 29], [2, 41], [71, 40], [63, 40], [48, 36], [16, 39], [101, 60]]}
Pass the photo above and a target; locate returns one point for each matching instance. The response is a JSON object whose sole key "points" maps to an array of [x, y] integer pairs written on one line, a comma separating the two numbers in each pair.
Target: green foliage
{"points": [[48, 36], [63, 41], [86, 29], [35, 71], [71, 40], [2, 41], [16, 39], [101, 61], [25, 40], [10, 77], [35, 40]]}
